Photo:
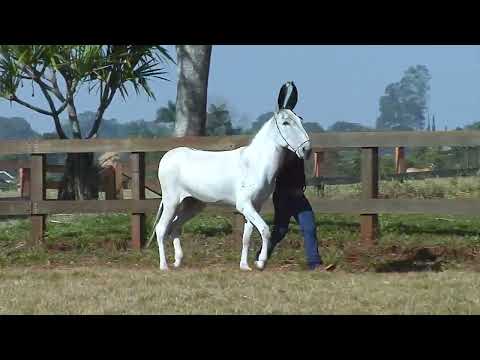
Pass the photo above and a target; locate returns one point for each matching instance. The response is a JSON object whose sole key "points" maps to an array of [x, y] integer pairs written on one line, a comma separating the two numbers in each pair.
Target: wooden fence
{"points": [[368, 207]]}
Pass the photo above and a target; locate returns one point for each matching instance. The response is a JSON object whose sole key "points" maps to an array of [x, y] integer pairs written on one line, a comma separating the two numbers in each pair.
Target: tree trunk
{"points": [[191, 110], [80, 179]]}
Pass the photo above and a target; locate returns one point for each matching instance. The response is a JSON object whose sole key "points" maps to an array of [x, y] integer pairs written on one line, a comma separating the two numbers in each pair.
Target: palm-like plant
{"points": [[59, 72]]}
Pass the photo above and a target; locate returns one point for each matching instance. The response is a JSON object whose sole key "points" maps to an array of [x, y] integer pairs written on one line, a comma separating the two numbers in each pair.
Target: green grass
{"points": [[407, 242]]}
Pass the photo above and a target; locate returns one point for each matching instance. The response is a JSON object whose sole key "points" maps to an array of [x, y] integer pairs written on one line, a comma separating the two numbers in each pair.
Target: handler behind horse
{"points": [[289, 200]]}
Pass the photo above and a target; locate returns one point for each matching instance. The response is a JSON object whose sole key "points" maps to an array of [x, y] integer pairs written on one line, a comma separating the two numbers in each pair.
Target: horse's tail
{"points": [[159, 213]]}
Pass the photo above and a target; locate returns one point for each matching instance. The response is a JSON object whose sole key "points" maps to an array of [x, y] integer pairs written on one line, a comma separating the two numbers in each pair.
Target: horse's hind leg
{"points": [[187, 210], [162, 227]]}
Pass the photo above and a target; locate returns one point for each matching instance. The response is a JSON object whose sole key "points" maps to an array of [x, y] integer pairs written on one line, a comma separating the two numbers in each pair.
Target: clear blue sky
{"points": [[334, 82]]}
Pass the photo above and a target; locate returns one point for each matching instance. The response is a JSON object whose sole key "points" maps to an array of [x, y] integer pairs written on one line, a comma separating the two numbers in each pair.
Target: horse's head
{"points": [[290, 131]]}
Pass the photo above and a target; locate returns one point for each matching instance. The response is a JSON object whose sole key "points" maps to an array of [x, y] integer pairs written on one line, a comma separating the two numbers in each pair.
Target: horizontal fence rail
{"points": [[368, 207], [320, 141], [354, 206]]}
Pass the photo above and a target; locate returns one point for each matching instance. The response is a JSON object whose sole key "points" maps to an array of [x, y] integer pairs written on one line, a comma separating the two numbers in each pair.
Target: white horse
{"points": [[244, 178]]}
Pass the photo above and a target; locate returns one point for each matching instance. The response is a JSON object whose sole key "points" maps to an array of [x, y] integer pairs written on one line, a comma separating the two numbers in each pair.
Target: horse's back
{"points": [[185, 156], [206, 175]]}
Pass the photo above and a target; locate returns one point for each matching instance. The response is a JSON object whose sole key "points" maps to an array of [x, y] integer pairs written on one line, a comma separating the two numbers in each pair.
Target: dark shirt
{"points": [[292, 174]]}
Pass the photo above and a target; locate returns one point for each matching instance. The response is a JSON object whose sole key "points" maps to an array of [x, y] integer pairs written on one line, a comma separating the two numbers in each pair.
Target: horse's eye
{"points": [[285, 123]]}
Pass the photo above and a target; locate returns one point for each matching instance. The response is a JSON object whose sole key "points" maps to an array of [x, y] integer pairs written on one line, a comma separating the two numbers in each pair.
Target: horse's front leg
{"points": [[251, 214], [247, 233]]}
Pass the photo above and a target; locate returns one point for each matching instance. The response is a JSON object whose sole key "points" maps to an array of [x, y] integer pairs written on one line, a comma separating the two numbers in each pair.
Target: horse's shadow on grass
{"points": [[401, 266], [422, 260]]}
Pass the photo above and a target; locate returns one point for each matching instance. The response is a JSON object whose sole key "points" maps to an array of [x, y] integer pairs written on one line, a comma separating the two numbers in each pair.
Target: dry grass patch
{"points": [[216, 290]]}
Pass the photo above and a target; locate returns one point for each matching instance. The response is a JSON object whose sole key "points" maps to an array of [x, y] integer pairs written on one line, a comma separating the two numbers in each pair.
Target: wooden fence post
{"points": [[24, 183], [369, 222], [37, 193], [137, 165], [107, 178], [400, 163], [119, 180]]}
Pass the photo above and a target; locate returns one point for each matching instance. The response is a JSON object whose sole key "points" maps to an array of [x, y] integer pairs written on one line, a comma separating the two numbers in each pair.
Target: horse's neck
{"points": [[265, 152]]}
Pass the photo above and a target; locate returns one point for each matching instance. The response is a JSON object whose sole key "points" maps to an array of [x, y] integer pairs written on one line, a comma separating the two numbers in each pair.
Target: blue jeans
{"points": [[286, 205]]}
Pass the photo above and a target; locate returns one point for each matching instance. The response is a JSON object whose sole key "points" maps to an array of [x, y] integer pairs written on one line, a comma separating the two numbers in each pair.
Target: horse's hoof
{"points": [[177, 264], [260, 264], [245, 267], [164, 268]]}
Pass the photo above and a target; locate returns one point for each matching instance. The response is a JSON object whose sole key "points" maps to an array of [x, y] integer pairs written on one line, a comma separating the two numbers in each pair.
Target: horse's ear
{"points": [[288, 96]]}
